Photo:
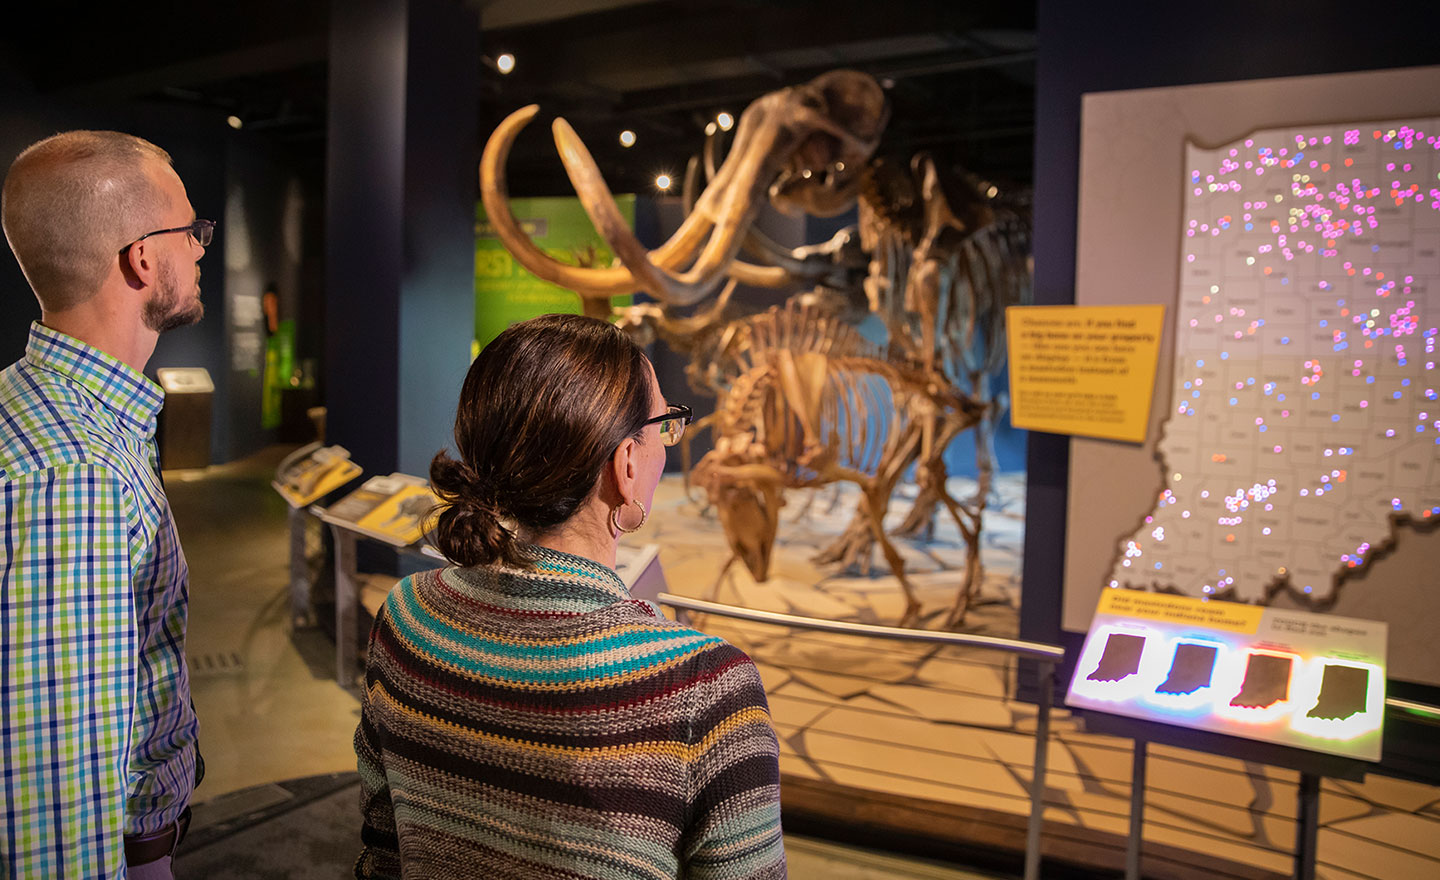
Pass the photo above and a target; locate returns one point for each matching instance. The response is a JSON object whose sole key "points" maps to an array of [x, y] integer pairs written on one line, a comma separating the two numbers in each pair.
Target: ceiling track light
{"points": [[502, 64]]}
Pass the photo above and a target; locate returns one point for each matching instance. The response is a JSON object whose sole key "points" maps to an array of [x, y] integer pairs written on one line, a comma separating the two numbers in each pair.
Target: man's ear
{"points": [[139, 266]]}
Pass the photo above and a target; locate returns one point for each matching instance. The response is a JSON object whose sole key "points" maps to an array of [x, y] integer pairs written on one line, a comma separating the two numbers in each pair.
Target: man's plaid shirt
{"points": [[97, 733]]}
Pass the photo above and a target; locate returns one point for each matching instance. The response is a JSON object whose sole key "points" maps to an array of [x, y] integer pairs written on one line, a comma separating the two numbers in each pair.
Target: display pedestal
{"points": [[300, 616], [1311, 766]]}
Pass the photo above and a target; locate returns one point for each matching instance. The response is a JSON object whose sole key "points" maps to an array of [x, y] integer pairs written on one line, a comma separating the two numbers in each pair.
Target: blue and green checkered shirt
{"points": [[97, 732]]}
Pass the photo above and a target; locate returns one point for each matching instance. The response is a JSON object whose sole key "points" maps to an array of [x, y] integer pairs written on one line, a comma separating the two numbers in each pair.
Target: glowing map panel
{"points": [[1304, 415], [1296, 678]]}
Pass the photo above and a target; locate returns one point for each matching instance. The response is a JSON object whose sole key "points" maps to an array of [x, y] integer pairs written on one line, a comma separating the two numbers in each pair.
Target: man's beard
{"points": [[163, 311]]}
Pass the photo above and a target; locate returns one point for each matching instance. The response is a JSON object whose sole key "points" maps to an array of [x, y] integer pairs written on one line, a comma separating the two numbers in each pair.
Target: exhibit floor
{"points": [[272, 716], [869, 731]]}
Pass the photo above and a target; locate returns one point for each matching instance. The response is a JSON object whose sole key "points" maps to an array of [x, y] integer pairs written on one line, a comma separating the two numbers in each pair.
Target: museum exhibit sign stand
{"points": [[1047, 657], [303, 477], [1311, 766], [297, 520], [184, 427], [1287, 688]]}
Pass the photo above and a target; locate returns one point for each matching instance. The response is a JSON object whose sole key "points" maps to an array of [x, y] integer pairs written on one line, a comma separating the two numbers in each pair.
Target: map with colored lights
{"points": [[1304, 418]]}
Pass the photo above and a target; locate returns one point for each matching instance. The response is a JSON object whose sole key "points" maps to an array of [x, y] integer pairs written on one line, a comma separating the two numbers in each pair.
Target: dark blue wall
{"points": [[272, 206], [207, 154], [198, 147]]}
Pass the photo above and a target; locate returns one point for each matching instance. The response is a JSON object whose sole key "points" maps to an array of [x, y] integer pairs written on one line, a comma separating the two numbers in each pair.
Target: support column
{"points": [[400, 215]]}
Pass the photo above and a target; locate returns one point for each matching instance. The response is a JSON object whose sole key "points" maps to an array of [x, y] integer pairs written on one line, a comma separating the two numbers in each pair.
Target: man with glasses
{"points": [[98, 752]]}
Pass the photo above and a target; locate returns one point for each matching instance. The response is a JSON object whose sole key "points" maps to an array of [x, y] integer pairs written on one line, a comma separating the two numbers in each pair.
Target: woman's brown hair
{"points": [[542, 410]]}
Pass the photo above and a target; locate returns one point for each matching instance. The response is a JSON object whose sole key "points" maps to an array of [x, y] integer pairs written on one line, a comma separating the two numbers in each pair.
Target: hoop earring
{"points": [[615, 517]]}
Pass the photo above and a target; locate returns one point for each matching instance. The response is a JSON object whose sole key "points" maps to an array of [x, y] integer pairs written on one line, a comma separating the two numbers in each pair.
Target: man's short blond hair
{"points": [[71, 202]]}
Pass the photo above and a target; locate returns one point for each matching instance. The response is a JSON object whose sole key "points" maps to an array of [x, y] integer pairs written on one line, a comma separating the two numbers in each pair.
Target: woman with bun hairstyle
{"points": [[523, 716]]}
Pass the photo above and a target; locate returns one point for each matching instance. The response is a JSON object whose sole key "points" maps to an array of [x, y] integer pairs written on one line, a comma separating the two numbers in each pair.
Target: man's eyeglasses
{"points": [[201, 230], [672, 423]]}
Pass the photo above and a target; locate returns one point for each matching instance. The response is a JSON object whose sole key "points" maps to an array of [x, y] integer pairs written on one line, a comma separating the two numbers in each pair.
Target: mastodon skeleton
{"points": [[930, 257], [945, 260], [810, 403]]}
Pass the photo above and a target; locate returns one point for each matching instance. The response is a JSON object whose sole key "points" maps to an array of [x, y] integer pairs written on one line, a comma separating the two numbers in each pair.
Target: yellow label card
{"points": [[1230, 616], [1087, 370]]}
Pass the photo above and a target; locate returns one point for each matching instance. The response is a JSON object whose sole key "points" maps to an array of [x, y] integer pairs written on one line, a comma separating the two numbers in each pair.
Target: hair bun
{"points": [[469, 529]]}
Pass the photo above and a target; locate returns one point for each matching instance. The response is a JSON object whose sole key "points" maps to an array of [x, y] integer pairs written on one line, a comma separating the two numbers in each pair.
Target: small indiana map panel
{"points": [[1303, 417]]}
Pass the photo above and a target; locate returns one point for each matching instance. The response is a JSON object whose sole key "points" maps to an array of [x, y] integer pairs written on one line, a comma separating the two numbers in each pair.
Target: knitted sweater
{"points": [[544, 724]]}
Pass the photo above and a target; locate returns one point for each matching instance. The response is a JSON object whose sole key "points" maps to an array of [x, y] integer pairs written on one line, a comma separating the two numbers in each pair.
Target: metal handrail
{"points": [[1413, 707], [1046, 655], [1033, 650]]}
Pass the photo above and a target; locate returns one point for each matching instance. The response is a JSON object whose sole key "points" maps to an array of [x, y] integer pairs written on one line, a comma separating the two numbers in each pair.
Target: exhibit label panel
{"points": [[1087, 370], [505, 292], [1310, 681]]}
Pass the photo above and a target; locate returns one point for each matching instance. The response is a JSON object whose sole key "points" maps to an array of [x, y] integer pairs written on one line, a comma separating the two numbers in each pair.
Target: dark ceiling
{"points": [[960, 76]]}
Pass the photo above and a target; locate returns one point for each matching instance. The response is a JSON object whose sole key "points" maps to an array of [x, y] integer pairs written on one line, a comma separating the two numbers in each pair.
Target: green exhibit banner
{"points": [[279, 368], [505, 292]]}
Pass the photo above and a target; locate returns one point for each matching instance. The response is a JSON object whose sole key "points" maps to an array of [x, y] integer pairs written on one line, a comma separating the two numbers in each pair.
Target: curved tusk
{"points": [[595, 197], [587, 282], [759, 276], [746, 273], [692, 185], [589, 184], [709, 153]]}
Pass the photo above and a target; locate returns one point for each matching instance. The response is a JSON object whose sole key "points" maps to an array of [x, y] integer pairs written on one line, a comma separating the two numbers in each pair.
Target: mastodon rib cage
{"points": [[862, 419], [988, 272], [752, 341]]}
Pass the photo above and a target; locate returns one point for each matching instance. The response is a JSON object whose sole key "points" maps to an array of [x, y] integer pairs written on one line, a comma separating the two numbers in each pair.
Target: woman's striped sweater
{"points": [[544, 724]]}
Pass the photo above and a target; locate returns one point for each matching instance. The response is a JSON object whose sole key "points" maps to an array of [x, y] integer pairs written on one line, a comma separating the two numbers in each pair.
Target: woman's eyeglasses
{"points": [[672, 423]]}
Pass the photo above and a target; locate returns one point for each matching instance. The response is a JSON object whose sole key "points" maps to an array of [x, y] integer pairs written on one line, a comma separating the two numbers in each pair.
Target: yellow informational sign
{"points": [[1229, 616], [401, 518], [308, 479], [1087, 370]]}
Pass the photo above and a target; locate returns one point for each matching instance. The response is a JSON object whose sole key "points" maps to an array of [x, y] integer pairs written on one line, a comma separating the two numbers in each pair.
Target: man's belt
{"points": [[143, 849]]}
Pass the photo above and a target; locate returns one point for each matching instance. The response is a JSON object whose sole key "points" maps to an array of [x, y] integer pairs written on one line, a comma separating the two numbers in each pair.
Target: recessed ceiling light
{"points": [[627, 138], [662, 181], [505, 63], [726, 121]]}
